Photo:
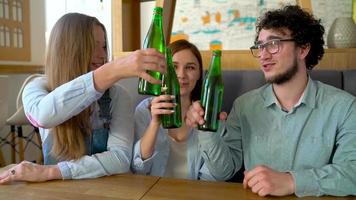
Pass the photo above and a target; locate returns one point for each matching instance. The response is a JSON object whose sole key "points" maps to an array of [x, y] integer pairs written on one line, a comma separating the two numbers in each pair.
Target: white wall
{"points": [[146, 17], [100, 10]]}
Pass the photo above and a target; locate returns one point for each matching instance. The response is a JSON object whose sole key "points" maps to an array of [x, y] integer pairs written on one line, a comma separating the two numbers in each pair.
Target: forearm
{"points": [[97, 165], [333, 179], [148, 140], [221, 160], [52, 172], [105, 76], [48, 109]]}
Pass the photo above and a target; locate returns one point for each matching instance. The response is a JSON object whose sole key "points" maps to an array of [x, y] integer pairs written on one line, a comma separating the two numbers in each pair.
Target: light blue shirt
{"points": [[208, 154], [47, 110], [315, 141]]}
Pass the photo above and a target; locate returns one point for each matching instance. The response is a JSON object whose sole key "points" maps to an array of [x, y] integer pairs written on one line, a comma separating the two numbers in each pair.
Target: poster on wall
{"points": [[230, 25], [220, 24]]}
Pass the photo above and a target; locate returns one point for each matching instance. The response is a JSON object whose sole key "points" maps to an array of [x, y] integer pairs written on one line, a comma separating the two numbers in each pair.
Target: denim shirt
{"points": [[96, 142]]}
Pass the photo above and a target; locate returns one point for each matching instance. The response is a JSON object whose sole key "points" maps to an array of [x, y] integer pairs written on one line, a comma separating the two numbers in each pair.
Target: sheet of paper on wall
{"points": [[220, 24], [230, 25]]}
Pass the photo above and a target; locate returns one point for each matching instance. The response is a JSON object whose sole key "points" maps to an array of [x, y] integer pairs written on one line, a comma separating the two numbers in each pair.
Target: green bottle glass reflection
{"points": [[212, 94], [154, 39], [170, 86]]}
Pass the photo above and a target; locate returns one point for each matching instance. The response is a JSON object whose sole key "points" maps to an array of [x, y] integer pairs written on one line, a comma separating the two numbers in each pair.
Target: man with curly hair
{"points": [[295, 135]]}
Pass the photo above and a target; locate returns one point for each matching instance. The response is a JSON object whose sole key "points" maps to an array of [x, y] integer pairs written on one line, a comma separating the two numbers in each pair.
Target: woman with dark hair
{"points": [[84, 118], [180, 152]]}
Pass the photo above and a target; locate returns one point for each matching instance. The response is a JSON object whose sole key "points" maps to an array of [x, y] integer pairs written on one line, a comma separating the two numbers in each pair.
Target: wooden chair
{"points": [[18, 140]]}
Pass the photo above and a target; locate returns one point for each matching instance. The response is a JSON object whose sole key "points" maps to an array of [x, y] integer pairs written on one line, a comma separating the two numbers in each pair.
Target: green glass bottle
{"points": [[170, 86], [154, 39], [212, 94]]}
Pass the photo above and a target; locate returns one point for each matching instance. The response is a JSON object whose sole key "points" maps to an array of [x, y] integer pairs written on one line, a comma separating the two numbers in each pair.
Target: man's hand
{"points": [[265, 181], [194, 115]]}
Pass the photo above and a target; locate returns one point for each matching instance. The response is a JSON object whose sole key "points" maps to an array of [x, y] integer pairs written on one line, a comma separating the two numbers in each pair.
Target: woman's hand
{"points": [[160, 105], [31, 172], [135, 64]]}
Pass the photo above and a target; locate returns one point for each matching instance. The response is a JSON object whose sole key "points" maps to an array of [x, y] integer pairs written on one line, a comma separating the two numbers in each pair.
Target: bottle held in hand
{"points": [[212, 94], [170, 86], [153, 39]]}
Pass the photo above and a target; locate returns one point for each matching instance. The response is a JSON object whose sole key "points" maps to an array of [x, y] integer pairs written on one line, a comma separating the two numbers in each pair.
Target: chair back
{"points": [[26, 81], [3, 99], [19, 117]]}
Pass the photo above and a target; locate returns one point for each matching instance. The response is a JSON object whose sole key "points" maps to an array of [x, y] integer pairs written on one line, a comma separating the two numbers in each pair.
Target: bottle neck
{"points": [[157, 19], [215, 65]]}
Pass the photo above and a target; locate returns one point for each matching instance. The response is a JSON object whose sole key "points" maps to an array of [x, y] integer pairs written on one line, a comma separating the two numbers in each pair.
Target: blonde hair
{"points": [[70, 48]]}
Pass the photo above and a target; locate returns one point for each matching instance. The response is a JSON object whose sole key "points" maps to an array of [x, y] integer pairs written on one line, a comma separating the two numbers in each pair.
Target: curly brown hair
{"points": [[305, 29]]}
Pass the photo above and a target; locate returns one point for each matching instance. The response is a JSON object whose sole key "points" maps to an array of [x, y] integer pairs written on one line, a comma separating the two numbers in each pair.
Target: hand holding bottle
{"points": [[212, 94], [135, 64], [161, 105], [195, 115], [154, 39]]}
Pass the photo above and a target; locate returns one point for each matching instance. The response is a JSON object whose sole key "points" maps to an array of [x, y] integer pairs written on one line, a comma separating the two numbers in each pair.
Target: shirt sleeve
{"points": [[221, 150], [48, 109], [117, 158], [142, 120], [339, 177]]}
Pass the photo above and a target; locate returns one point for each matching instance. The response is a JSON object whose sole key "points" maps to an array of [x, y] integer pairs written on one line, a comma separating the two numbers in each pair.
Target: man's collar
{"points": [[308, 97]]}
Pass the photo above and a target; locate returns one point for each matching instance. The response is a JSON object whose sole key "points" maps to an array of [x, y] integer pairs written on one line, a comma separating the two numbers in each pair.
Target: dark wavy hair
{"points": [[305, 29], [180, 45]]}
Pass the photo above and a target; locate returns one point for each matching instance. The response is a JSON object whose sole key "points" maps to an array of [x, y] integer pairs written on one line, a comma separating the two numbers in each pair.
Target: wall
{"points": [[100, 9], [146, 17]]}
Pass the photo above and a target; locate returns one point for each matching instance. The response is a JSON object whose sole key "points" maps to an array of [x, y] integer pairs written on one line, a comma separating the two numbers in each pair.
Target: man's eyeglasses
{"points": [[272, 47]]}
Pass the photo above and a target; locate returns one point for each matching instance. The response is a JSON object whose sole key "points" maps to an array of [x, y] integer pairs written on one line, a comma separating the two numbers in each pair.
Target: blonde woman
{"points": [[84, 118]]}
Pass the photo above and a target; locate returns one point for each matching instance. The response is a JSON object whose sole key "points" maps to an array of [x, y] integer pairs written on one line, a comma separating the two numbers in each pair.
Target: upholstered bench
{"points": [[237, 82]]}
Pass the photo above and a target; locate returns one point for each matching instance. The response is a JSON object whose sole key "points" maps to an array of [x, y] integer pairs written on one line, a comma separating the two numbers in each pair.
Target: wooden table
{"points": [[126, 186], [176, 189], [129, 186]]}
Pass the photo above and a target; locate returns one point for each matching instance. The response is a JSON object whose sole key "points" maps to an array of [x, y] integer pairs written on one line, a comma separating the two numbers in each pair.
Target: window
{"points": [[15, 44], [18, 38], [2, 36], [17, 11], [4, 9]]}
